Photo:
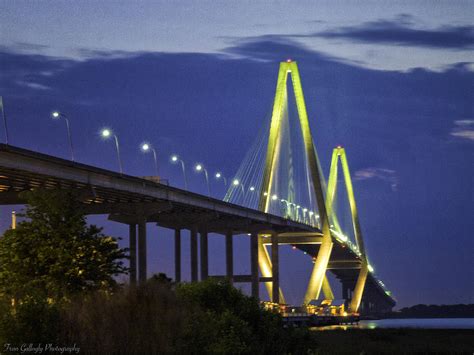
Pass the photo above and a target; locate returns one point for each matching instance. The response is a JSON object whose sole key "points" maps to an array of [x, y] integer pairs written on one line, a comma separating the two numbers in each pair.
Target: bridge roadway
{"points": [[136, 201]]}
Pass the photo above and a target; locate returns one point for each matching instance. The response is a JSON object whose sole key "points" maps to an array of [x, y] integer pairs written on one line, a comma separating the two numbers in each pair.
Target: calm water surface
{"points": [[426, 323]]}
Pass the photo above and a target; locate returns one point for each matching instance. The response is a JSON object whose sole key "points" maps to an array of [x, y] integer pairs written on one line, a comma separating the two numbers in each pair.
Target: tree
{"points": [[54, 254], [224, 320]]}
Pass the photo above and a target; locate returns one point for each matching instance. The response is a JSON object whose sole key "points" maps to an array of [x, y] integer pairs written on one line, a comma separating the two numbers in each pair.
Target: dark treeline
{"points": [[435, 311]]}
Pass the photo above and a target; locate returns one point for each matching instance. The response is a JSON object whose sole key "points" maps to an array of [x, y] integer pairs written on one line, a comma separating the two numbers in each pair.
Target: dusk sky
{"points": [[392, 82]]}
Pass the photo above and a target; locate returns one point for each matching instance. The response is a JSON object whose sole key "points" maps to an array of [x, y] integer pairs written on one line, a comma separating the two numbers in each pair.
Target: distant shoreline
{"points": [[433, 311]]}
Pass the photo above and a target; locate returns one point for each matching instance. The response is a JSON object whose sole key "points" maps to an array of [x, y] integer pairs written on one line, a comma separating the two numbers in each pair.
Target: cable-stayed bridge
{"points": [[278, 196]]}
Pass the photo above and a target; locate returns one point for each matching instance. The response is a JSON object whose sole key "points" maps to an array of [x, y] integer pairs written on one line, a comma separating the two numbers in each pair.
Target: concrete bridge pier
{"points": [[229, 256], [194, 255], [142, 262], [204, 255], [275, 269], [177, 255], [254, 276], [133, 253]]}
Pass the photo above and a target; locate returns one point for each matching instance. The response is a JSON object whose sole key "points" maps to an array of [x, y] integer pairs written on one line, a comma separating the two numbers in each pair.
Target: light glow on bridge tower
{"points": [[339, 153], [318, 274]]}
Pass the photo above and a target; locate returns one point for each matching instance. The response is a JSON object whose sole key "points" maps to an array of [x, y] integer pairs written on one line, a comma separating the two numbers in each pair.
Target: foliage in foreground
{"points": [[51, 257], [159, 317], [53, 254]]}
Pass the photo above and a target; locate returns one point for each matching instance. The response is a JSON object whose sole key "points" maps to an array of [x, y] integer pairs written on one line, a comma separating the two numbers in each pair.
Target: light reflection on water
{"points": [[424, 323]]}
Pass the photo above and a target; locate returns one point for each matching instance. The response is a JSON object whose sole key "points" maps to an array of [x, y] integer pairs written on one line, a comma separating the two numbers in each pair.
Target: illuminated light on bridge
{"points": [[199, 167], [106, 133], [57, 115], [175, 159], [146, 148], [219, 176]]}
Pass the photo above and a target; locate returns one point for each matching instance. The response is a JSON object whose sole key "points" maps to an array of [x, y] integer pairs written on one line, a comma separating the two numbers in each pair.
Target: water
{"points": [[423, 323]]}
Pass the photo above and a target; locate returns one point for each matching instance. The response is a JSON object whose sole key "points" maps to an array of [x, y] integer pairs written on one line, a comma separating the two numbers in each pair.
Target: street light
{"points": [[304, 214], [298, 207], [236, 182], [199, 168], [57, 115], [175, 159], [106, 134], [146, 147], [287, 207], [219, 175]]}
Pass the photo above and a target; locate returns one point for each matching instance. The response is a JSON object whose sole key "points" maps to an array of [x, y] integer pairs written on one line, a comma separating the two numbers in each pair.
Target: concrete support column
{"points": [[132, 238], [142, 264], [194, 256], [275, 269], [254, 264], [204, 256], [229, 256], [177, 255]]}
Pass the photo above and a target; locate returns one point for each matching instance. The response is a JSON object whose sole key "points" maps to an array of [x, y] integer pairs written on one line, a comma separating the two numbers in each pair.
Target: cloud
{"points": [[463, 129], [402, 31], [33, 85], [387, 175]]}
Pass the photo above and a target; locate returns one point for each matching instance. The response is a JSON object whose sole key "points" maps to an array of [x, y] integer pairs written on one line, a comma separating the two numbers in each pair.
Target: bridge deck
{"points": [[128, 199], [124, 196]]}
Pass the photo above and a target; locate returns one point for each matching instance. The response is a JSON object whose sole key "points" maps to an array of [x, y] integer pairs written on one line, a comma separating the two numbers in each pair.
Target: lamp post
{"points": [[106, 134], [236, 183], [57, 115], [298, 207], [219, 176], [304, 215], [146, 147], [287, 207], [199, 168], [176, 159]]}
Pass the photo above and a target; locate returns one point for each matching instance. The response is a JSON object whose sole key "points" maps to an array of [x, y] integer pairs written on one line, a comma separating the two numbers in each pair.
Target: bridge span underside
{"points": [[137, 201]]}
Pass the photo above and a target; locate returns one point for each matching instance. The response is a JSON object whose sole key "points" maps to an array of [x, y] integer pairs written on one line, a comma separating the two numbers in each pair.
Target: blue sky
{"points": [[391, 82]]}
